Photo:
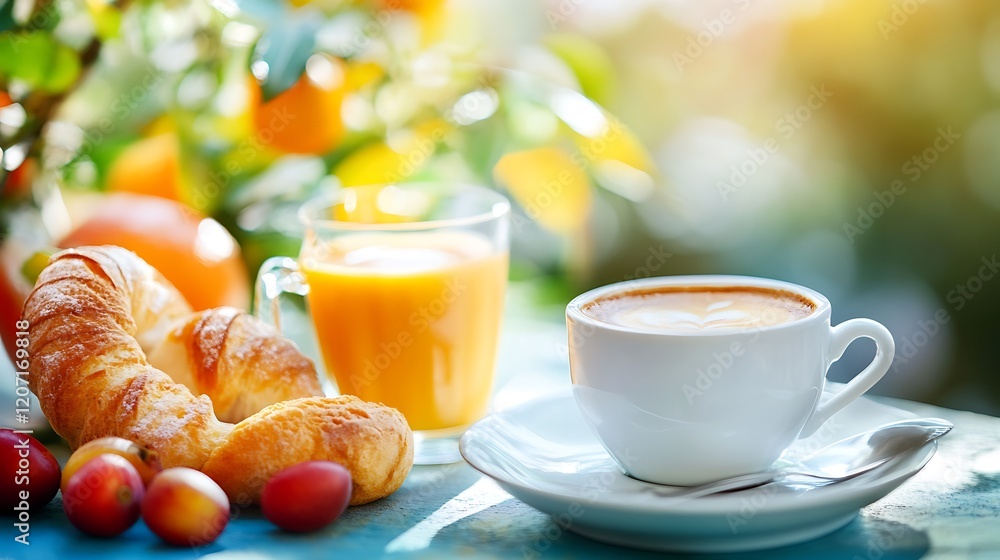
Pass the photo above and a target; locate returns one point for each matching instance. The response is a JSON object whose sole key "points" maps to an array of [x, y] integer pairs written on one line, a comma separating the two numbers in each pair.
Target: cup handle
{"points": [[277, 276], [841, 337]]}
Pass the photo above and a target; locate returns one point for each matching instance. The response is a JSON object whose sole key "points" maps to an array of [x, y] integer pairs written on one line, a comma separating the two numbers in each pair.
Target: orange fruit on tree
{"points": [[150, 166], [13, 291], [305, 118], [18, 181], [194, 252], [430, 15]]}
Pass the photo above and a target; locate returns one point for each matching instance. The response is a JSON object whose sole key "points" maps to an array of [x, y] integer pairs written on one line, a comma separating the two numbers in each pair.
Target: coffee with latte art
{"points": [[698, 308]]}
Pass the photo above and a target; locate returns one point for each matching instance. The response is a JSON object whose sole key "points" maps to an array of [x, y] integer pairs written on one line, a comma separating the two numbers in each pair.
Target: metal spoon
{"points": [[837, 462]]}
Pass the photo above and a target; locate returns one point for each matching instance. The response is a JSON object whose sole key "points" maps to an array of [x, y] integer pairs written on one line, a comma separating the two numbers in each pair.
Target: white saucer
{"points": [[543, 453]]}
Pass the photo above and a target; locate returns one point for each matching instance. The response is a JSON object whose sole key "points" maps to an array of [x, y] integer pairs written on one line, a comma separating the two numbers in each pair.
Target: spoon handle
{"points": [[928, 429], [757, 479], [725, 485]]}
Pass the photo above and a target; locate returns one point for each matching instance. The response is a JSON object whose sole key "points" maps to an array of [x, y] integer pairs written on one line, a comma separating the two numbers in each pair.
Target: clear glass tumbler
{"points": [[405, 286]]}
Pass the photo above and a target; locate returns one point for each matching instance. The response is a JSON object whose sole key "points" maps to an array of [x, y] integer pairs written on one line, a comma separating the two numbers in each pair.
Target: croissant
{"points": [[224, 351], [95, 315]]}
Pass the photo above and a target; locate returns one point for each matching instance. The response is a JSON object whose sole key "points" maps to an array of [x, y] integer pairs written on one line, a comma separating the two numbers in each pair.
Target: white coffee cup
{"points": [[685, 408]]}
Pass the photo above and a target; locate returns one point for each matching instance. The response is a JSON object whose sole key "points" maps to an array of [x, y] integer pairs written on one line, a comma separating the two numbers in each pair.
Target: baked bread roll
{"points": [[94, 314], [350, 433]]}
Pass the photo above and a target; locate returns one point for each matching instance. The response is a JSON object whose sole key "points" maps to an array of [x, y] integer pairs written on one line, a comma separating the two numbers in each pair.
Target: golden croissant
{"points": [[116, 351]]}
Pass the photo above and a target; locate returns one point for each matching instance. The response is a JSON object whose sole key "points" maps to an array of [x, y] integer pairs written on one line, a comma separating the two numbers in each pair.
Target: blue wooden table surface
{"points": [[949, 510]]}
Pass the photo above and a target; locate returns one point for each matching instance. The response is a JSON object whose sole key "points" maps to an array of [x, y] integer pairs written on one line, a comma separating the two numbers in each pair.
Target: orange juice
{"points": [[410, 320]]}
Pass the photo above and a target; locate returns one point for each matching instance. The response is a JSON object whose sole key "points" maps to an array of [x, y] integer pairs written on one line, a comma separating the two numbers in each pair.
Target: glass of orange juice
{"points": [[405, 286]]}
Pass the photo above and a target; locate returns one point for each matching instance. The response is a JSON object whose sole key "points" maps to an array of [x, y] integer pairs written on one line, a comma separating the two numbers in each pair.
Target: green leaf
{"points": [[285, 46], [588, 61], [7, 15], [38, 60], [64, 71]]}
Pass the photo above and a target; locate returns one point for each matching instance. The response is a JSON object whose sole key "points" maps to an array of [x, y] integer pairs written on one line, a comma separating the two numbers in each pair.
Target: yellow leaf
{"points": [[615, 142], [433, 128], [360, 74], [33, 267], [396, 159], [550, 185], [106, 17], [162, 124], [373, 164]]}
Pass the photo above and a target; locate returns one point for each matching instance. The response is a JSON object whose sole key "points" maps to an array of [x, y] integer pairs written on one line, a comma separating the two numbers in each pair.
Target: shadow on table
{"points": [[862, 539]]}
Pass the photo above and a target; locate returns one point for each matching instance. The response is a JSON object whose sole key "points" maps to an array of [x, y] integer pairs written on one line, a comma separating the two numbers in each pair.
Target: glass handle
{"points": [[277, 276]]}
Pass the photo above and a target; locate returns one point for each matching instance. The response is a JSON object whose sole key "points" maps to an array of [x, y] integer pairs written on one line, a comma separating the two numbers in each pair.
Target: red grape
{"points": [[103, 497], [307, 496], [28, 473], [185, 507]]}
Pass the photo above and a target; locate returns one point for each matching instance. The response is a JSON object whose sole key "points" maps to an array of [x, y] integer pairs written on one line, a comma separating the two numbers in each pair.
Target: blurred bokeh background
{"points": [[852, 146]]}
